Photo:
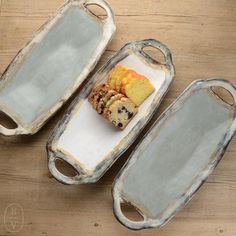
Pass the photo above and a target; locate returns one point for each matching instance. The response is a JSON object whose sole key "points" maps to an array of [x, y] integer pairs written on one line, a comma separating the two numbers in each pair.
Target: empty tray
{"points": [[176, 155], [46, 72], [85, 140]]}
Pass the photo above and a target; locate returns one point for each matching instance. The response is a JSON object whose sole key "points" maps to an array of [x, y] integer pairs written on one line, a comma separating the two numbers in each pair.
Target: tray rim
{"points": [[108, 28], [221, 148], [53, 153]]}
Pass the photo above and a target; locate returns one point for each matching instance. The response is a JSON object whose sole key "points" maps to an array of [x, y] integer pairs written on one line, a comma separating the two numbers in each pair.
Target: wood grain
{"points": [[202, 37]]}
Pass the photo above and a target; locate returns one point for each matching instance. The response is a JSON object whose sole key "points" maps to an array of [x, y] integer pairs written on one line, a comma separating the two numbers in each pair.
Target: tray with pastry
{"points": [[109, 113]]}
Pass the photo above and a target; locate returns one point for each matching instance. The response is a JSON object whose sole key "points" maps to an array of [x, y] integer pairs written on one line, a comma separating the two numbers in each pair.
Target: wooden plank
{"points": [[171, 32], [185, 8], [29, 8], [202, 37]]}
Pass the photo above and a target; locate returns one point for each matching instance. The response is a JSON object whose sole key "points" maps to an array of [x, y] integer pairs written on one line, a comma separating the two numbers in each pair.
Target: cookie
{"points": [[97, 93], [121, 112], [103, 101], [111, 101]]}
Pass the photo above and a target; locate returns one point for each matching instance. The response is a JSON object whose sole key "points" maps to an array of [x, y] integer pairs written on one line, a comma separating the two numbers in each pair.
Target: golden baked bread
{"points": [[116, 75], [138, 89], [128, 82], [130, 75]]}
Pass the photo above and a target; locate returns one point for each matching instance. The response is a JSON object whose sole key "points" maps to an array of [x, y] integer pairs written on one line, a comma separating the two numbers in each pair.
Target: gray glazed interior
{"points": [[177, 154], [53, 66]]}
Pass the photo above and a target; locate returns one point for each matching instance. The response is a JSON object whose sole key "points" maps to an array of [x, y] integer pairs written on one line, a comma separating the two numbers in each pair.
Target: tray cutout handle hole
{"points": [[131, 212], [155, 54], [223, 94], [7, 121], [97, 10], [65, 168]]}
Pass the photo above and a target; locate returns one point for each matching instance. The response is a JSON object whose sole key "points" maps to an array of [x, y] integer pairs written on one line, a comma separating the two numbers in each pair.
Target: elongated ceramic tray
{"points": [[53, 64], [89, 143], [176, 156]]}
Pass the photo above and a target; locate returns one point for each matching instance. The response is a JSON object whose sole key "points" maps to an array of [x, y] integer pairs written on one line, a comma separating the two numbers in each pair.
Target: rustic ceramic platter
{"points": [[46, 72], [176, 155], [89, 143]]}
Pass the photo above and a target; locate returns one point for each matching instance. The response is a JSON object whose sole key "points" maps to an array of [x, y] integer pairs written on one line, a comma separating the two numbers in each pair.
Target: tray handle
{"points": [[9, 132], [103, 4], [58, 175], [134, 225], [224, 84], [158, 45]]}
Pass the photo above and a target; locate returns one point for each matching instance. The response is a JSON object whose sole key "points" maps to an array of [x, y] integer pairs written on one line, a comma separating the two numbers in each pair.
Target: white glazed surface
{"points": [[93, 137]]}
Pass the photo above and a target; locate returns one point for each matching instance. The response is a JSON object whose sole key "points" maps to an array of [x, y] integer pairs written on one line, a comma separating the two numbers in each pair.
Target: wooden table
{"points": [[202, 37]]}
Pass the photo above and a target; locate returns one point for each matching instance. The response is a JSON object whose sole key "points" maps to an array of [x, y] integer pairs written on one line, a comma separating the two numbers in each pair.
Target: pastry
{"points": [[111, 101], [138, 89], [103, 101], [121, 112], [116, 75], [128, 82], [118, 99], [131, 75], [97, 93]]}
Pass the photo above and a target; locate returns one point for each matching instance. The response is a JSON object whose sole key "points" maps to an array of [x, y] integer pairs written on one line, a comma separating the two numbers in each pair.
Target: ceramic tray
{"points": [[176, 156], [89, 143], [53, 64]]}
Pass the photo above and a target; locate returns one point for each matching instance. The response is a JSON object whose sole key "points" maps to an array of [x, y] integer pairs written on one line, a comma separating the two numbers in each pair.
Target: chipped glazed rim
{"points": [[108, 31], [55, 153], [170, 212]]}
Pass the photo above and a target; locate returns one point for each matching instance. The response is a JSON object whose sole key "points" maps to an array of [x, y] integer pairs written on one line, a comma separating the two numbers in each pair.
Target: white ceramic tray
{"points": [[46, 72], [176, 155], [85, 140]]}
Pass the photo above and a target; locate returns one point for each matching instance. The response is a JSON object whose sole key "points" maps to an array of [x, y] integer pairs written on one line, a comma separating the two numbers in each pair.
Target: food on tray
{"points": [[116, 75], [114, 98], [126, 80], [97, 93], [138, 89], [103, 101], [121, 112], [114, 106], [119, 98], [133, 85]]}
